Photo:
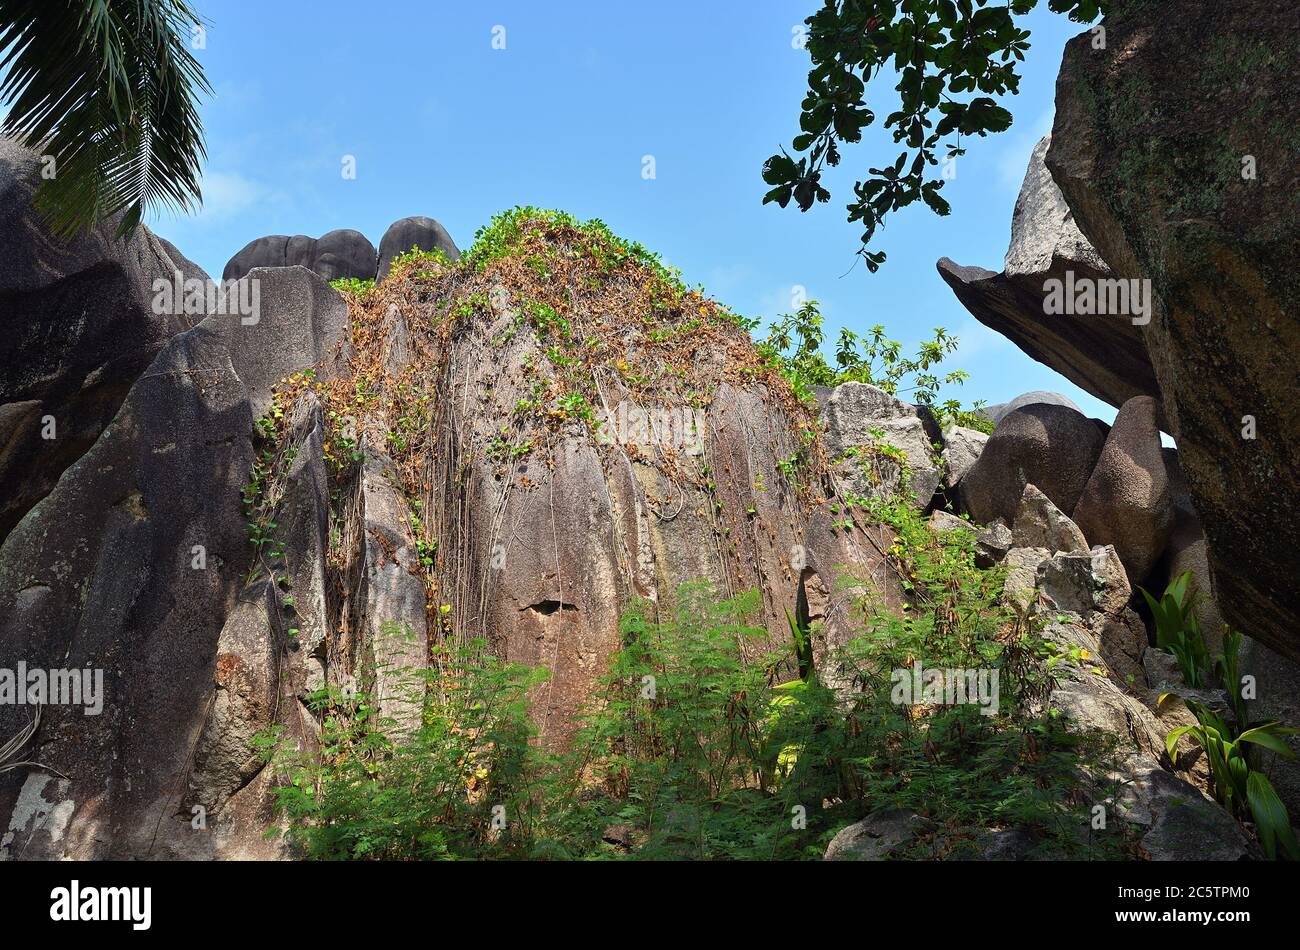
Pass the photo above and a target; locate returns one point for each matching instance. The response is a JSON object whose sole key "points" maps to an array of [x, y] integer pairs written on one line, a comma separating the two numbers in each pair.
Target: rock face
{"points": [[999, 411], [1127, 501], [414, 232], [129, 566], [1052, 447], [1190, 185], [1104, 354], [851, 412], [139, 564], [961, 449], [80, 326], [1040, 524], [337, 254], [1186, 551], [876, 836], [545, 555], [1102, 686]]}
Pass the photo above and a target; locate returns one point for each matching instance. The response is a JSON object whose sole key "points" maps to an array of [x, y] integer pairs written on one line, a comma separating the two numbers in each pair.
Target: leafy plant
{"points": [[794, 343], [942, 52], [1177, 631], [1237, 786], [456, 786], [353, 285]]}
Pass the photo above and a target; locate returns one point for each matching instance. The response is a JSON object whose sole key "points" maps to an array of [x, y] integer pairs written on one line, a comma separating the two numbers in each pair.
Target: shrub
{"points": [[1177, 631], [1238, 784]]}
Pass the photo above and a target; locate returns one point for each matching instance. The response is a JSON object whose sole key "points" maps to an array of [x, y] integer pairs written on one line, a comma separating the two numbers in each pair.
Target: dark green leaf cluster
{"points": [[952, 60]]}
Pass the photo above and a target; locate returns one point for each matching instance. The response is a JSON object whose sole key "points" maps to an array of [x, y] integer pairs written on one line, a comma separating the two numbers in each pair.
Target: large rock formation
{"points": [[416, 232], [1100, 687], [1104, 354], [130, 566], [80, 325], [335, 255], [1000, 410], [861, 421], [395, 493], [1191, 185], [1127, 501], [1052, 447]]}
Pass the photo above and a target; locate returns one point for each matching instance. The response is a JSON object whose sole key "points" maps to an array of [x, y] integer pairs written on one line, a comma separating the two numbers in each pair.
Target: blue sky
{"points": [[442, 124]]}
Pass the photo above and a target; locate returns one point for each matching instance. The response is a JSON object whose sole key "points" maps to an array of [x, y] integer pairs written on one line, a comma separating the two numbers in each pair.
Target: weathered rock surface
{"points": [[334, 255], [994, 541], [1277, 696], [877, 836], [946, 521], [395, 613], [80, 326], [1051, 447], [850, 412], [1104, 354], [1039, 397], [406, 234], [1190, 185], [1040, 524], [131, 565], [543, 556], [961, 449], [1102, 687], [1127, 501]]}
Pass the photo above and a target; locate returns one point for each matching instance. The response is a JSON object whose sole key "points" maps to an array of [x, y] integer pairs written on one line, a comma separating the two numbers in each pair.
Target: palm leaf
{"points": [[107, 88]]}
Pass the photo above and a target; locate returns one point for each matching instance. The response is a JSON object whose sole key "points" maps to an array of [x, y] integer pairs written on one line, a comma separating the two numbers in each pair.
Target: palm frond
{"points": [[107, 88]]}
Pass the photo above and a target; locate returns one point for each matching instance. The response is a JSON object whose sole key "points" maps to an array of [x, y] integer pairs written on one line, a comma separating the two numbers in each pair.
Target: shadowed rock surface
{"points": [[130, 565], [1157, 174], [80, 326], [1103, 354], [1127, 501], [1052, 447]]}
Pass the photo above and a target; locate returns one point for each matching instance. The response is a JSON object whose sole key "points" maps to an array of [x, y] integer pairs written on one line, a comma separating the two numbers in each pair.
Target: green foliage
{"points": [[1228, 669], [418, 263], [379, 791], [951, 59], [678, 730], [504, 235], [1238, 786], [108, 90], [698, 744], [353, 285], [794, 343], [1177, 630]]}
